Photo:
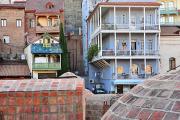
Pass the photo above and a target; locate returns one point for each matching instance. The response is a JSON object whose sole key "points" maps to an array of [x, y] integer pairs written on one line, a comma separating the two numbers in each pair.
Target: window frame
{"points": [[18, 23], [3, 22]]}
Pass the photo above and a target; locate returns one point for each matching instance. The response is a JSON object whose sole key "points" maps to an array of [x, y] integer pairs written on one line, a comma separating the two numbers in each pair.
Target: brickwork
{"points": [[60, 99], [16, 34], [97, 105], [155, 99]]}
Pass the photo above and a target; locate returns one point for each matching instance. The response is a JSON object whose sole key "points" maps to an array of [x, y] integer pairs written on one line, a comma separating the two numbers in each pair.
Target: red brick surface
{"points": [[43, 105]]}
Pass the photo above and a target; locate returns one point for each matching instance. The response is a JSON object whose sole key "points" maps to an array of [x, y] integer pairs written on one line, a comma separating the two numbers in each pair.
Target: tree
{"points": [[64, 55]]}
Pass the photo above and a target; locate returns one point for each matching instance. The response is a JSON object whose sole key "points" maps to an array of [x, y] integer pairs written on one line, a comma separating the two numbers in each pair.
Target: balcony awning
{"points": [[101, 64], [128, 82], [39, 49]]}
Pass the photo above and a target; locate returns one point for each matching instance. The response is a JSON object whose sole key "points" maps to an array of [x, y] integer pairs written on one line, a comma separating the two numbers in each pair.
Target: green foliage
{"points": [[92, 51], [64, 55]]}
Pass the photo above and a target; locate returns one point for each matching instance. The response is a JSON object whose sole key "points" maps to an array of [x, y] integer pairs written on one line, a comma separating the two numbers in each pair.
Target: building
{"points": [[170, 10], [12, 31], [44, 57], [170, 43], [87, 8], [42, 17], [155, 99], [127, 35]]}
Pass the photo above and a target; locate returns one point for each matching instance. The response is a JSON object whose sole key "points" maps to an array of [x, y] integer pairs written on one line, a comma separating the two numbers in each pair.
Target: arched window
{"points": [[120, 69], [135, 69], [149, 69], [49, 5], [172, 63]]}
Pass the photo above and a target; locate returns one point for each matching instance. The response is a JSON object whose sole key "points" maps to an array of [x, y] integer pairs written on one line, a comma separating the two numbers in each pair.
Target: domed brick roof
{"points": [[157, 98]]}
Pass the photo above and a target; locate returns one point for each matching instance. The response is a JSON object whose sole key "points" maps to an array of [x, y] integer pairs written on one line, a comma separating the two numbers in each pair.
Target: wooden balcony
{"points": [[46, 66], [49, 29]]}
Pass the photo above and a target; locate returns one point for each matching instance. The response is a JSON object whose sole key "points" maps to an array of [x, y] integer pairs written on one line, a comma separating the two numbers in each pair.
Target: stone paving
{"points": [[158, 98]]}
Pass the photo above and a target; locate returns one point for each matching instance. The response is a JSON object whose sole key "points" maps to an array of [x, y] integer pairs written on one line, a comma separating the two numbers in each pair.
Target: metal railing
{"points": [[46, 66], [123, 53], [137, 52], [108, 53]]}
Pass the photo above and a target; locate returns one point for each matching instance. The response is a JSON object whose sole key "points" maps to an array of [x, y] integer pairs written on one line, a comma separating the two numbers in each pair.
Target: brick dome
{"points": [[157, 98]]}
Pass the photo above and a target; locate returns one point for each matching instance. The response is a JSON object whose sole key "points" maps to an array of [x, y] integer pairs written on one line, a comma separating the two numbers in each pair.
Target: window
{"points": [[49, 22], [162, 20], [171, 5], [6, 39], [150, 45], [172, 63], [135, 69], [32, 23], [3, 22], [142, 45], [18, 22], [171, 19], [149, 69], [162, 5]]}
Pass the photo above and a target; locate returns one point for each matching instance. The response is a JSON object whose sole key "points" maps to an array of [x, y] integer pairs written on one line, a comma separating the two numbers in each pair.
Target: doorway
{"points": [[119, 89]]}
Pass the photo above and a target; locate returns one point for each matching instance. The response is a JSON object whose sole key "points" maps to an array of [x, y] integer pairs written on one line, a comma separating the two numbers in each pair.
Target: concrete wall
{"points": [[169, 47]]}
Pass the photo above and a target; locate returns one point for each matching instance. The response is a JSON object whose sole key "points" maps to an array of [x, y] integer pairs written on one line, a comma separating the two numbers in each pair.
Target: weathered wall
{"points": [[169, 47], [97, 105], [76, 53], [73, 14], [16, 34], [60, 99]]}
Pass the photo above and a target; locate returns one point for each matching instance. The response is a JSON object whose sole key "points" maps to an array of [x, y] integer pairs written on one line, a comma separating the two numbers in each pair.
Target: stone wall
{"points": [[97, 105]]}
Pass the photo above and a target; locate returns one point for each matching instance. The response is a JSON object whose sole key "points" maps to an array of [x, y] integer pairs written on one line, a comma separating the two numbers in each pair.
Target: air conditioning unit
{"points": [[91, 81]]}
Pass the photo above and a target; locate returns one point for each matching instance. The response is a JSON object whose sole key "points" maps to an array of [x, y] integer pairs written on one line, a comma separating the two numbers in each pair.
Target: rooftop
{"points": [[41, 85], [157, 98]]}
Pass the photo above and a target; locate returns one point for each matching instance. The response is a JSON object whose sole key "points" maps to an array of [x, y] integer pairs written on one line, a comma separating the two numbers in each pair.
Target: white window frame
{"points": [[171, 19], [18, 22], [3, 22], [162, 19]]}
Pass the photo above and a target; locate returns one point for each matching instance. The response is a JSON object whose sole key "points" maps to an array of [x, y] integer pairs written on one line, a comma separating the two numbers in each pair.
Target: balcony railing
{"points": [[42, 29], [127, 53], [169, 10], [130, 27], [152, 52], [123, 52], [140, 76], [46, 66]]}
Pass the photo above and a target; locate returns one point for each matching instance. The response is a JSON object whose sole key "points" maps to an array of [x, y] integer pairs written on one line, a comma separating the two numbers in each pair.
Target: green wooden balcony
{"points": [[46, 66]]}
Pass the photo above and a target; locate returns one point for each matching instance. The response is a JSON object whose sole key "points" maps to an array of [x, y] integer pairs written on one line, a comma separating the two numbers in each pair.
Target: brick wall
{"points": [[66, 103], [16, 34]]}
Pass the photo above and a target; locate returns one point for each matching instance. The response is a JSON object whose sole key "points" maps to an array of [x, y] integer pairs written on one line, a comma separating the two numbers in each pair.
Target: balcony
{"points": [[137, 52], [49, 29], [46, 66], [170, 23], [168, 10], [130, 27], [123, 53]]}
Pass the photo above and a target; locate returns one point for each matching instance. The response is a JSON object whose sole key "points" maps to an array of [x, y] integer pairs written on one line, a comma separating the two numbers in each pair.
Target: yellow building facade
{"points": [[170, 12]]}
